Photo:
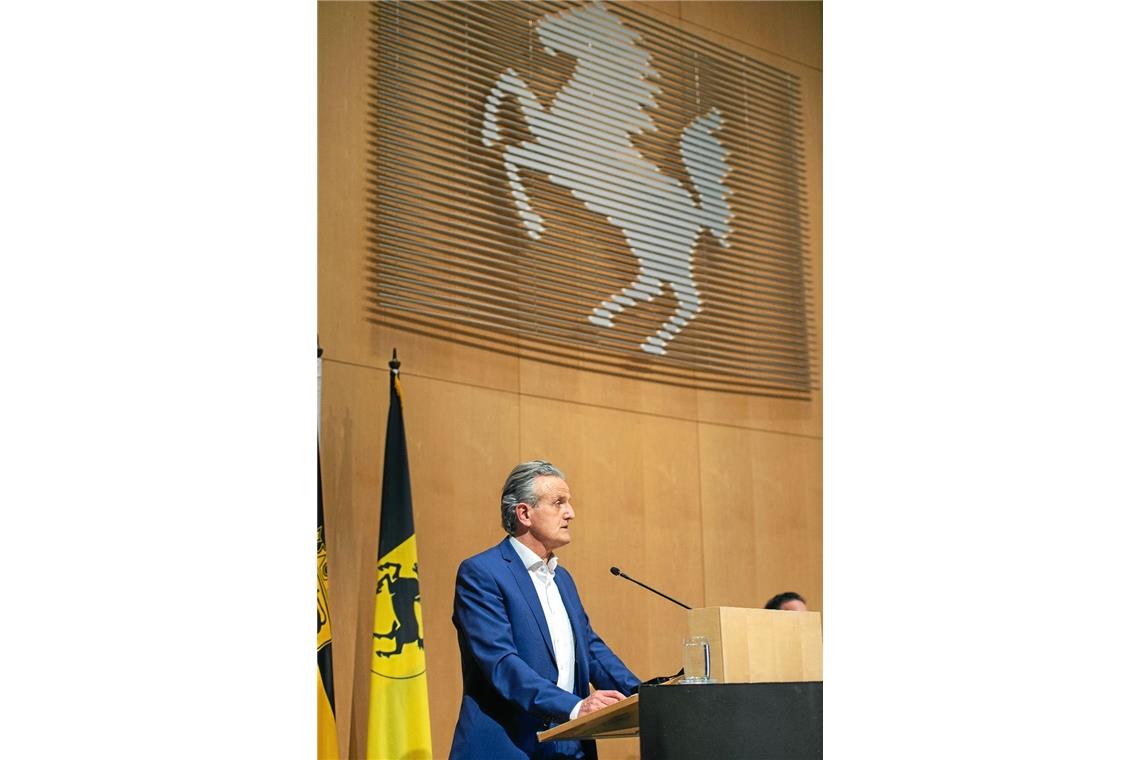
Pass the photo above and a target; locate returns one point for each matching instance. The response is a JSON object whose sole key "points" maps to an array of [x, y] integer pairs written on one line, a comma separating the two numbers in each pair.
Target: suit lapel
{"points": [[576, 614], [526, 588]]}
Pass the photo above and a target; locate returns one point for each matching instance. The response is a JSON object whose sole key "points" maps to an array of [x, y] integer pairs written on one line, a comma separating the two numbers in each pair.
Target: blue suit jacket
{"points": [[510, 676]]}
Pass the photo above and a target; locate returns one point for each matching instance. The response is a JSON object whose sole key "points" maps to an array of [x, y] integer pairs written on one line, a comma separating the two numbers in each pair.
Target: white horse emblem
{"points": [[583, 143]]}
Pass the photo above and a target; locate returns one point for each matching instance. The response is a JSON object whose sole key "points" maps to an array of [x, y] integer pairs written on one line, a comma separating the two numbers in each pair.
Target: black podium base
{"points": [[781, 721]]}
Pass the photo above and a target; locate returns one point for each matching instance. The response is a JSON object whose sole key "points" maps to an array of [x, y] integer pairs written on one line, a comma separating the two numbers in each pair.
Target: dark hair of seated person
{"points": [[775, 602]]}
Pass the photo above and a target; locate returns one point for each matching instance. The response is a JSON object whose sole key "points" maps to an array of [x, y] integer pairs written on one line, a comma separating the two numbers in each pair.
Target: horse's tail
{"points": [[509, 83], [704, 158]]}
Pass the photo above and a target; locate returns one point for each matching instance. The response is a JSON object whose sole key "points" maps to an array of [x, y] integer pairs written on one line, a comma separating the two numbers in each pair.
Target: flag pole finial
{"points": [[394, 363]]}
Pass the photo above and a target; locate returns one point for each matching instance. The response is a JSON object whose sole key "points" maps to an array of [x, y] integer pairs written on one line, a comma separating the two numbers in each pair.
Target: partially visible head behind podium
{"points": [[789, 600]]}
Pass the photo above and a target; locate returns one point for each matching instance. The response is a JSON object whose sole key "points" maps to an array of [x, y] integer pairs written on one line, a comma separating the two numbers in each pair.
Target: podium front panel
{"points": [[781, 721]]}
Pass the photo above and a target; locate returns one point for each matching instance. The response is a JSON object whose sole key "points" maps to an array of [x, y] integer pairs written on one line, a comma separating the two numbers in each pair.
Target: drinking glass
{"points": [[696, 660]]}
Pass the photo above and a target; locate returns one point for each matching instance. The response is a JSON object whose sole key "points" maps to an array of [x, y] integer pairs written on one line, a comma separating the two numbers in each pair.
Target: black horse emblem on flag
{"points": [[405, 594]]}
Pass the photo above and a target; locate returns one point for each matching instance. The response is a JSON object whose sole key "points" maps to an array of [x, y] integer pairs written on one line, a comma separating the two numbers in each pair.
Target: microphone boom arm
{"points": [[618, 572]]}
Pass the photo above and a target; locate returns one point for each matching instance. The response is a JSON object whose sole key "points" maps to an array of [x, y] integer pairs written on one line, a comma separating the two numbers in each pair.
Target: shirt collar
{"points": [[530, 560]]}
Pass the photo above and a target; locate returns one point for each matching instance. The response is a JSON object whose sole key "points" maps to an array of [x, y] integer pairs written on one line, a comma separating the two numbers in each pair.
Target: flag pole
{"points": [[320, 352], [326, 702]]}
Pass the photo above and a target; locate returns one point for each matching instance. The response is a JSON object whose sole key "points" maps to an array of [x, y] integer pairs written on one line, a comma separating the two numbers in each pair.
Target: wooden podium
{"points": [[760, 646], [778, 652]]}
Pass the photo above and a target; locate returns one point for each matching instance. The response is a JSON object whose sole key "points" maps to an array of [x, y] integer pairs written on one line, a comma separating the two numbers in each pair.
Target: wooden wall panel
{"points": [[352, 401], [715, 498], [729, 503], [762, 524], [674, 556], [462, 440], [788, 530], [789, 29], [342, 87], [664, 10], [538, 378], [443, 360]]}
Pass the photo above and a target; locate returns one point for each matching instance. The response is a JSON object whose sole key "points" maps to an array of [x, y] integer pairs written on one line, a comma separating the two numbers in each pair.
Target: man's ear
{"points": [[522, 513]]}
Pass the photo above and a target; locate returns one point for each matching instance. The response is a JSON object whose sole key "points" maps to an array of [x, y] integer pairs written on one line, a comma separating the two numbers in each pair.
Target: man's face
{"points": [[549, 518], [794, 604]]}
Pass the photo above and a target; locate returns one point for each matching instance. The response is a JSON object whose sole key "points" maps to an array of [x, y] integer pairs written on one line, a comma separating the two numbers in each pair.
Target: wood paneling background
{"points": [[716, 498]]}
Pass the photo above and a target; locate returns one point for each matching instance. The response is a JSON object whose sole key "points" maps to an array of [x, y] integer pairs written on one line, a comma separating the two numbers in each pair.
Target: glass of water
{"points": [[696, 660]]}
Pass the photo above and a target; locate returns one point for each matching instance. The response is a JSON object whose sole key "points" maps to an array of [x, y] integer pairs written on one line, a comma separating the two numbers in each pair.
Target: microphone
{"points": [[617, 572]]}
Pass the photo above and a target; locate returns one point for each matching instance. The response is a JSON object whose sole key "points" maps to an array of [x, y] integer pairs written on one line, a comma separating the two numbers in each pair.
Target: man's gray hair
{"points": [[520, 488]]}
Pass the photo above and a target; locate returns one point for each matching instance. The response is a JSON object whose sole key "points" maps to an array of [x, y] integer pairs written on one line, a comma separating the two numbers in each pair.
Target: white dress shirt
{"points": [[557, 620]]}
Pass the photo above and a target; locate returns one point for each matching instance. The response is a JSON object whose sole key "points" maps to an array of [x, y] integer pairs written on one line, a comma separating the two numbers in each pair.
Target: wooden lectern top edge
{"points": [[598, 717], [755, 609]]}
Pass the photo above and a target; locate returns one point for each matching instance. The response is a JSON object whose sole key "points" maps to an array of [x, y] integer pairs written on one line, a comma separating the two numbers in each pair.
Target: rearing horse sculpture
{"points": [[583, 143]]}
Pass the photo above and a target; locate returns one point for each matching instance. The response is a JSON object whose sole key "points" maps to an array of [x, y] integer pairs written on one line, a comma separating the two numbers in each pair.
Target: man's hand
{"points": [[598, 700]]}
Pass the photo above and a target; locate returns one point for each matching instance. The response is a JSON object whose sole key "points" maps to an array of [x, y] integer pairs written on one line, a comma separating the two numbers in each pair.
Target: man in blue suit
{"points": [[527, 649]]}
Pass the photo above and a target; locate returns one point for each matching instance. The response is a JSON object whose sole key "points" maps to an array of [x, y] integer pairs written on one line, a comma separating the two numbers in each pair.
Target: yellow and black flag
{"points": [[326, 705], [398, 725]]}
